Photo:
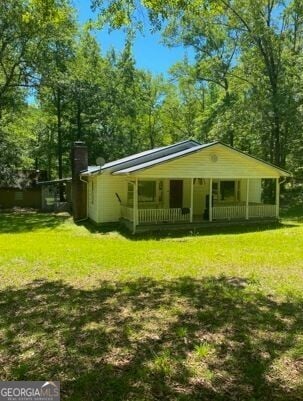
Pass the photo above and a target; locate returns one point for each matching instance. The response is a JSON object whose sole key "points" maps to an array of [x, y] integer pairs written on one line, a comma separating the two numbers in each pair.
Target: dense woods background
{"points": [[244, 87]]}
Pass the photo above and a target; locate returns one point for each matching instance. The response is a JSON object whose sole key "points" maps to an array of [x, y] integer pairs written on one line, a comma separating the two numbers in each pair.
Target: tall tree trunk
{"points": [[230, 133], [59, 134], [276, 126], [78, 117], [50, 154]]}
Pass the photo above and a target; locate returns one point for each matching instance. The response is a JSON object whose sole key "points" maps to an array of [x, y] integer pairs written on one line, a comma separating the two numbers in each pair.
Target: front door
{"points": [[176, 194]]}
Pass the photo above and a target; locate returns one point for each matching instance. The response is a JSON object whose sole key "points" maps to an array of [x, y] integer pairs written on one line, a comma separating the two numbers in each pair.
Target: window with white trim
{"points": [[147, 191]]}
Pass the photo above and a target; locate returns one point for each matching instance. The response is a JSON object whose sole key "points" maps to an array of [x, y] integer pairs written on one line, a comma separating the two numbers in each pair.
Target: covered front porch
{"points": [[165, 202]]}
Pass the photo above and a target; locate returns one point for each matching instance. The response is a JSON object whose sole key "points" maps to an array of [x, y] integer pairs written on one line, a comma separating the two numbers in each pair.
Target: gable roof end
{"points": [[161, 160], [194, 149]]}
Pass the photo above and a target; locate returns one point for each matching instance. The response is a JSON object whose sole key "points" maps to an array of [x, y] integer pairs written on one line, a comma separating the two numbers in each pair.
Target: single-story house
{"points": [[181, 184]]}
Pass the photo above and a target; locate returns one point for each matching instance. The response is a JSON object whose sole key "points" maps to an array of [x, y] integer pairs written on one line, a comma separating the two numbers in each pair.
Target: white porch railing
{"points": [[155, 215], [262, 210], [162, 215], [239, 211], [229, 212], [175, 215]]}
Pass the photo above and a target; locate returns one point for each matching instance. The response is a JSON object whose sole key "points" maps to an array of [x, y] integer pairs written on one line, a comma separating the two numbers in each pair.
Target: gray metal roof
{"points": [[163, 159], [150, 158], [142, 157], [95, 169], [92, 169]]}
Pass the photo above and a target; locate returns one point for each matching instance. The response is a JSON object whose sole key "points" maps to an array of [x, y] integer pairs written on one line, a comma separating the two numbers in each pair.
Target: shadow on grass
{"points": [[16, 222], [230, 228], [186, 339]]}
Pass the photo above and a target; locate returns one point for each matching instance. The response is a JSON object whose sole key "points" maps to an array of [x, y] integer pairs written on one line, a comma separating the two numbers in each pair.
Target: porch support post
{"points": [[191, 200], [277, 198], [210, 205], [135, 206], [247, 200]]}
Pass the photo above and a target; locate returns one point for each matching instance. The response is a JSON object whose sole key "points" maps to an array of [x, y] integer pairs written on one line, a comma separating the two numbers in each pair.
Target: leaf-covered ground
{"points": [[210, 316]]}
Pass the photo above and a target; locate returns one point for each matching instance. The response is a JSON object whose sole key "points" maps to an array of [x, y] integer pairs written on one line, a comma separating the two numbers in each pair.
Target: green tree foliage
{"points": [[57, 86], [104, 100], [16, 140], [249, 55], [30, 30]]}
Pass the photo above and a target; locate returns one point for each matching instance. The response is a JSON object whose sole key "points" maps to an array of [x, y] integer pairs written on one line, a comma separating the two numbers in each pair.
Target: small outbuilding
{"points": [[22, 190]]}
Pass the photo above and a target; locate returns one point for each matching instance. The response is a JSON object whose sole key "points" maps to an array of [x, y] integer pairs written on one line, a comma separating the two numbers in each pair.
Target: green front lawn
{"points": [[210, 316]]}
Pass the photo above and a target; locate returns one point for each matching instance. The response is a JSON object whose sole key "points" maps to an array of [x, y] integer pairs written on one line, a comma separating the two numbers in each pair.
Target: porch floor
{"points": [[198, 223]]}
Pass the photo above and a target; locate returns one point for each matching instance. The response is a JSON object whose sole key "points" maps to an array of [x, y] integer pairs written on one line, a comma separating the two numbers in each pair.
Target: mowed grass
{"points": [[216, 315]]}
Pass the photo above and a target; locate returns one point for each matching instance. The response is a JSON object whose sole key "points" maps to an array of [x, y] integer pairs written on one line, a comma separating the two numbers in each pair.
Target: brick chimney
{"points": [[79, 188]]}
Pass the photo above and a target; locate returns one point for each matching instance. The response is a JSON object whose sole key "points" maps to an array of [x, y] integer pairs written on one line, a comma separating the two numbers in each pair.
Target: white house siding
{"points": [[108, 203], [103, 204], [201, 189], [92, 199], [243, 183], [229, 164], [165, 193], [255, 190]]}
